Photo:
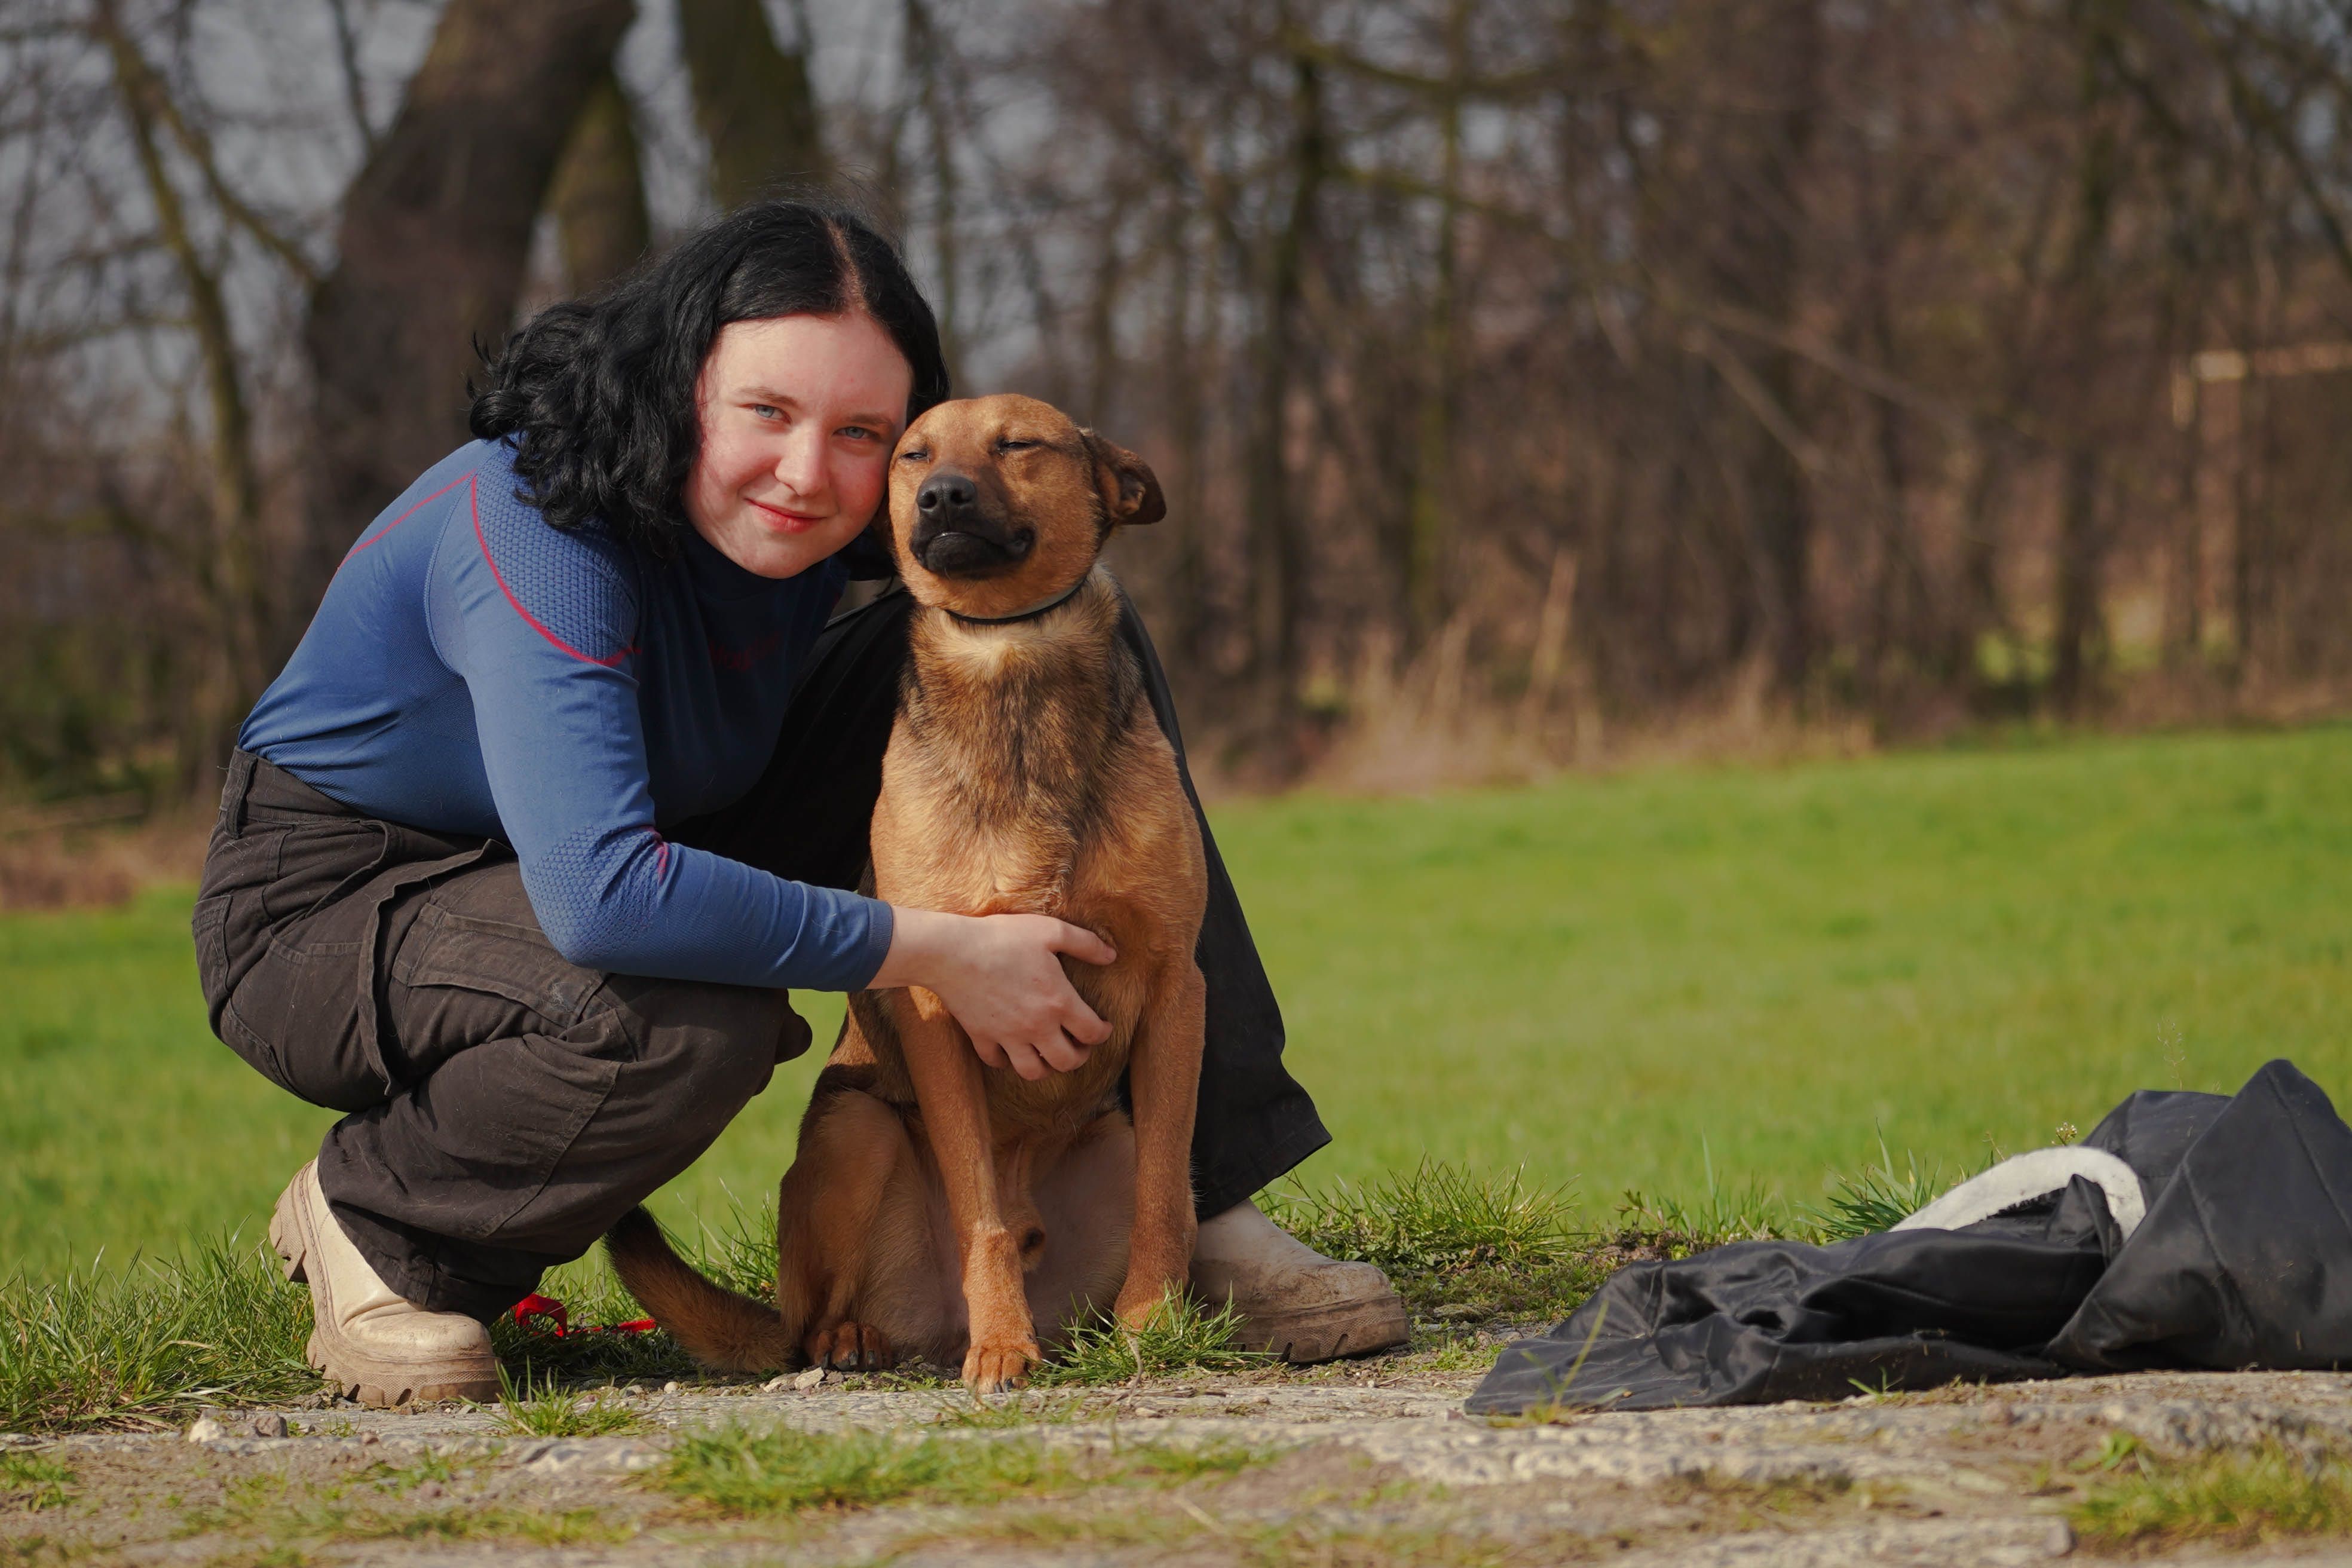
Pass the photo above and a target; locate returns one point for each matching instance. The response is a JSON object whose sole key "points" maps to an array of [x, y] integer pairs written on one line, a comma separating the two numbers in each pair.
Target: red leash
{"points": [[549, 1315]]}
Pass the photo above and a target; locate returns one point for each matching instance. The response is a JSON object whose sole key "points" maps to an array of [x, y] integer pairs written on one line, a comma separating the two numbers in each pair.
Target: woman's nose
{"points": [[802, 466]]}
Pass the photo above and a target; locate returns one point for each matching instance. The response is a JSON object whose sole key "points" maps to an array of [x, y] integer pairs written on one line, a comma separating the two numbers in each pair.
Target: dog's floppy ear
{"points": [[1130, 491]]}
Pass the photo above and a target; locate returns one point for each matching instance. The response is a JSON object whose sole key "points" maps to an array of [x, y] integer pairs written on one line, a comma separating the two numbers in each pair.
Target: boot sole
{"points": [[375, 1385], [1328, 1333]]}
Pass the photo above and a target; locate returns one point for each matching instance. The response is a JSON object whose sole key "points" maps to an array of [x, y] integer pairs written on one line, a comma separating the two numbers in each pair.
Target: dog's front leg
{"points": [[1163, 1070], [954, 1102]]}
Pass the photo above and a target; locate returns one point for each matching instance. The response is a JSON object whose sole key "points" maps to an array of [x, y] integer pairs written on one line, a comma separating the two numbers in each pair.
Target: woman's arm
{"points": [[542, 627], [1001, 978]]}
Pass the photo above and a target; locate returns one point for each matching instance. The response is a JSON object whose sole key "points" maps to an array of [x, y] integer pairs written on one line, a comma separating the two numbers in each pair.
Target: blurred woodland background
{"points": [[1528, 376]]}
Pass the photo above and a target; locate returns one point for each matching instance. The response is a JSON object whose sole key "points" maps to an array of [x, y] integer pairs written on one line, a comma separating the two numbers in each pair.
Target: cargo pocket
{"points": [[496, 958], [486, 1014]]}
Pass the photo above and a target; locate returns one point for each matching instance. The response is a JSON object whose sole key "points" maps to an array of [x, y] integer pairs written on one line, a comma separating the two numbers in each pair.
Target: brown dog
{"points": [[1025, 773]]}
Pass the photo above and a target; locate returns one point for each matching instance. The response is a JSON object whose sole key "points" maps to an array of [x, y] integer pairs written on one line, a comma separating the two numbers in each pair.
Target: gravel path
{"points": [[1368, 1465]]}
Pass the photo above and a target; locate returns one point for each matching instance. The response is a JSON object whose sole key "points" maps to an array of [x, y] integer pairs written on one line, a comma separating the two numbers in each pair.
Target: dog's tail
{"points": [[724, 1331]]}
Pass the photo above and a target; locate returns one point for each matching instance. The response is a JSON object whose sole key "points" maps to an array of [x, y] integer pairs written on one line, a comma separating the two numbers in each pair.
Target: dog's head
{"points": [[999, 503]]}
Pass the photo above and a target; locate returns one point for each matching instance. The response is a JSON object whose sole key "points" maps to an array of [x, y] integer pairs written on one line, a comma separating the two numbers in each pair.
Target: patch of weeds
{"points": [[266, 1505], [431, 1466], [785, 1470], [1753, 1505], [37, 1552], [1445, 1239], [1047, 1526], [918, 1376], [2116, 1449], [552, 1411], [268, 1557], [247, 1502], [2240, 1499], [1674, 1228], [572, 1527], [148, 1344], [1289, 1544], [1171, 1463], [971, 1413], [1182, 1336], [1879, 1198], [1449, 1351], [29, 1483]]}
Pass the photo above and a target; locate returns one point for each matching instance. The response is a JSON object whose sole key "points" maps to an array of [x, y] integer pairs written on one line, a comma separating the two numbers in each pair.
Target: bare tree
{"points": [[434, 239]]}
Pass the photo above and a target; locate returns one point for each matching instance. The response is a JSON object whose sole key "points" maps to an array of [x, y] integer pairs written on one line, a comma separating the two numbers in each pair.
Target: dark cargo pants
{"points": [[506, 1107]]}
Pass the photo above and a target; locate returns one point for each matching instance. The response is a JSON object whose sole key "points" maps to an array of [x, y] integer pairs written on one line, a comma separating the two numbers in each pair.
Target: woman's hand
{"points": [[999, 977]]}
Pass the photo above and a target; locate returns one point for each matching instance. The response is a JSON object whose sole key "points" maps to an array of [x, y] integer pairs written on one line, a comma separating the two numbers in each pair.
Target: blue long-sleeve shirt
{"points": [[474, 670]]}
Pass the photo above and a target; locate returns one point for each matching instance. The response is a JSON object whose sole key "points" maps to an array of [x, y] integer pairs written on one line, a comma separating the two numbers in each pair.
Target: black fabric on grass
{"points": [[2245, 1259]]}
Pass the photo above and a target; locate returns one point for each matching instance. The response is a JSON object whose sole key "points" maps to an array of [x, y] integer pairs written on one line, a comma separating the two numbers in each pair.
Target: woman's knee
{"points": [[706, 1044]]}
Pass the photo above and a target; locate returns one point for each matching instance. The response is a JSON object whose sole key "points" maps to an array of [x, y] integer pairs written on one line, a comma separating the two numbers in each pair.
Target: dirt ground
{"points": [[1370, 1463]]}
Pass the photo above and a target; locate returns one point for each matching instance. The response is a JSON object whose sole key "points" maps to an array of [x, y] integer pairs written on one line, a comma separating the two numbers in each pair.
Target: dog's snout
{"points": [[961, 529], [946, 493]]}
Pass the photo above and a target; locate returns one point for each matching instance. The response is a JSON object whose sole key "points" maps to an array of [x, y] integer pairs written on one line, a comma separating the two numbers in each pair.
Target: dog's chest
{"points": [[978, 867]]}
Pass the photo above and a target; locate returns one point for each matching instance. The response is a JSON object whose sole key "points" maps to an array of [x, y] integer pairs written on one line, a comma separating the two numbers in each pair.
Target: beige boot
{"points": [[373, 1345], [1294, 1301]]}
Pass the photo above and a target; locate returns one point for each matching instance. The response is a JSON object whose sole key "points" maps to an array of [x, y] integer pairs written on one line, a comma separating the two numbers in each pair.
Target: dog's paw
{"points": [[1141, 1305], [992, 1369], [849, 1346]]}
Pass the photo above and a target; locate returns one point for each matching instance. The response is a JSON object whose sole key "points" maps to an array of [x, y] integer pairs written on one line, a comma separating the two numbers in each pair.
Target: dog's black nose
{"points": [[945, 494]]}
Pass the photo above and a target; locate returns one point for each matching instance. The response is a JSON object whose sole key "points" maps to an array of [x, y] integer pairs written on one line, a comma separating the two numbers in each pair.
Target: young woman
{"points": [[568, 781]]}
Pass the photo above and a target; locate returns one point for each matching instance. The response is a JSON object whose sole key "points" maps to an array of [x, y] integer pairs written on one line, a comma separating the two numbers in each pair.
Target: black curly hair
{"points": [[599, 393]]}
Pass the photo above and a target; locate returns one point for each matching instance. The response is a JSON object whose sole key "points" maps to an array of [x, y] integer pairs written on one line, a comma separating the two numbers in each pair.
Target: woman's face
{"points": [[799, 413]]}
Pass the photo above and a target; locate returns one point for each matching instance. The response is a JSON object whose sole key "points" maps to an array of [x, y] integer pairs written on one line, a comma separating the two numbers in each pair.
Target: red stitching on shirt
{"points": [[403, 517], [742, 658], [476, 497], [661, 861]]}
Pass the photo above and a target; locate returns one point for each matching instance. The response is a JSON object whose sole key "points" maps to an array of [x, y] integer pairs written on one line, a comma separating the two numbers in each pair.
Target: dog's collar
{"points": [[1031, 613]]}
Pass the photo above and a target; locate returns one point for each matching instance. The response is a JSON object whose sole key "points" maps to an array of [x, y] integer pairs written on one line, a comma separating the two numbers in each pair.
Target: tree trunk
{"points": [[599, 195], [2081, 627], [1277, 566], [1435, 475], [228, 575], [434, 241], [751, 99], [2081, 632], [1760, 270]]}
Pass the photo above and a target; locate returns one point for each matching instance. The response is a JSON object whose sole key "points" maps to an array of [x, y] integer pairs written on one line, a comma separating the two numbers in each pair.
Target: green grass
{"points": [[2236, 1498], [1723, 986], [781, 1469], [551, 1410], [288, 1512], [146, 1346], [29, 1483], [1621, 982], [1447, 1239], [1183, 1336]]}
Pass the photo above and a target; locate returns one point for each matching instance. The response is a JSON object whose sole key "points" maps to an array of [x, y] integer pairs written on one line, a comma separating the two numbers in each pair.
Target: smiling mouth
{"points": [[777, 519]]}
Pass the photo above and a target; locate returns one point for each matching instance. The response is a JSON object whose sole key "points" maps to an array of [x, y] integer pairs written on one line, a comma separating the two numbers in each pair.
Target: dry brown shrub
{"points": [[96, 867]]}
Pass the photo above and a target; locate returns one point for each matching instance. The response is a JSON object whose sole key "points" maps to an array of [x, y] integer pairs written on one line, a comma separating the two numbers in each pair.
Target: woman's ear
{"points": [[1130, 491]]}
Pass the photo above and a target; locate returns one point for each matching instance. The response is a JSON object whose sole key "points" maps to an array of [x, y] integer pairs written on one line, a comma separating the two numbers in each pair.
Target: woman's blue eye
{"points": [[767, 410]]}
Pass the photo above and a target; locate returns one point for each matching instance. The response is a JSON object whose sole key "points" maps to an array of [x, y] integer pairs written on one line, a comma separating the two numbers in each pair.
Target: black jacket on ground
{"points": [[2245, 1259]]}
